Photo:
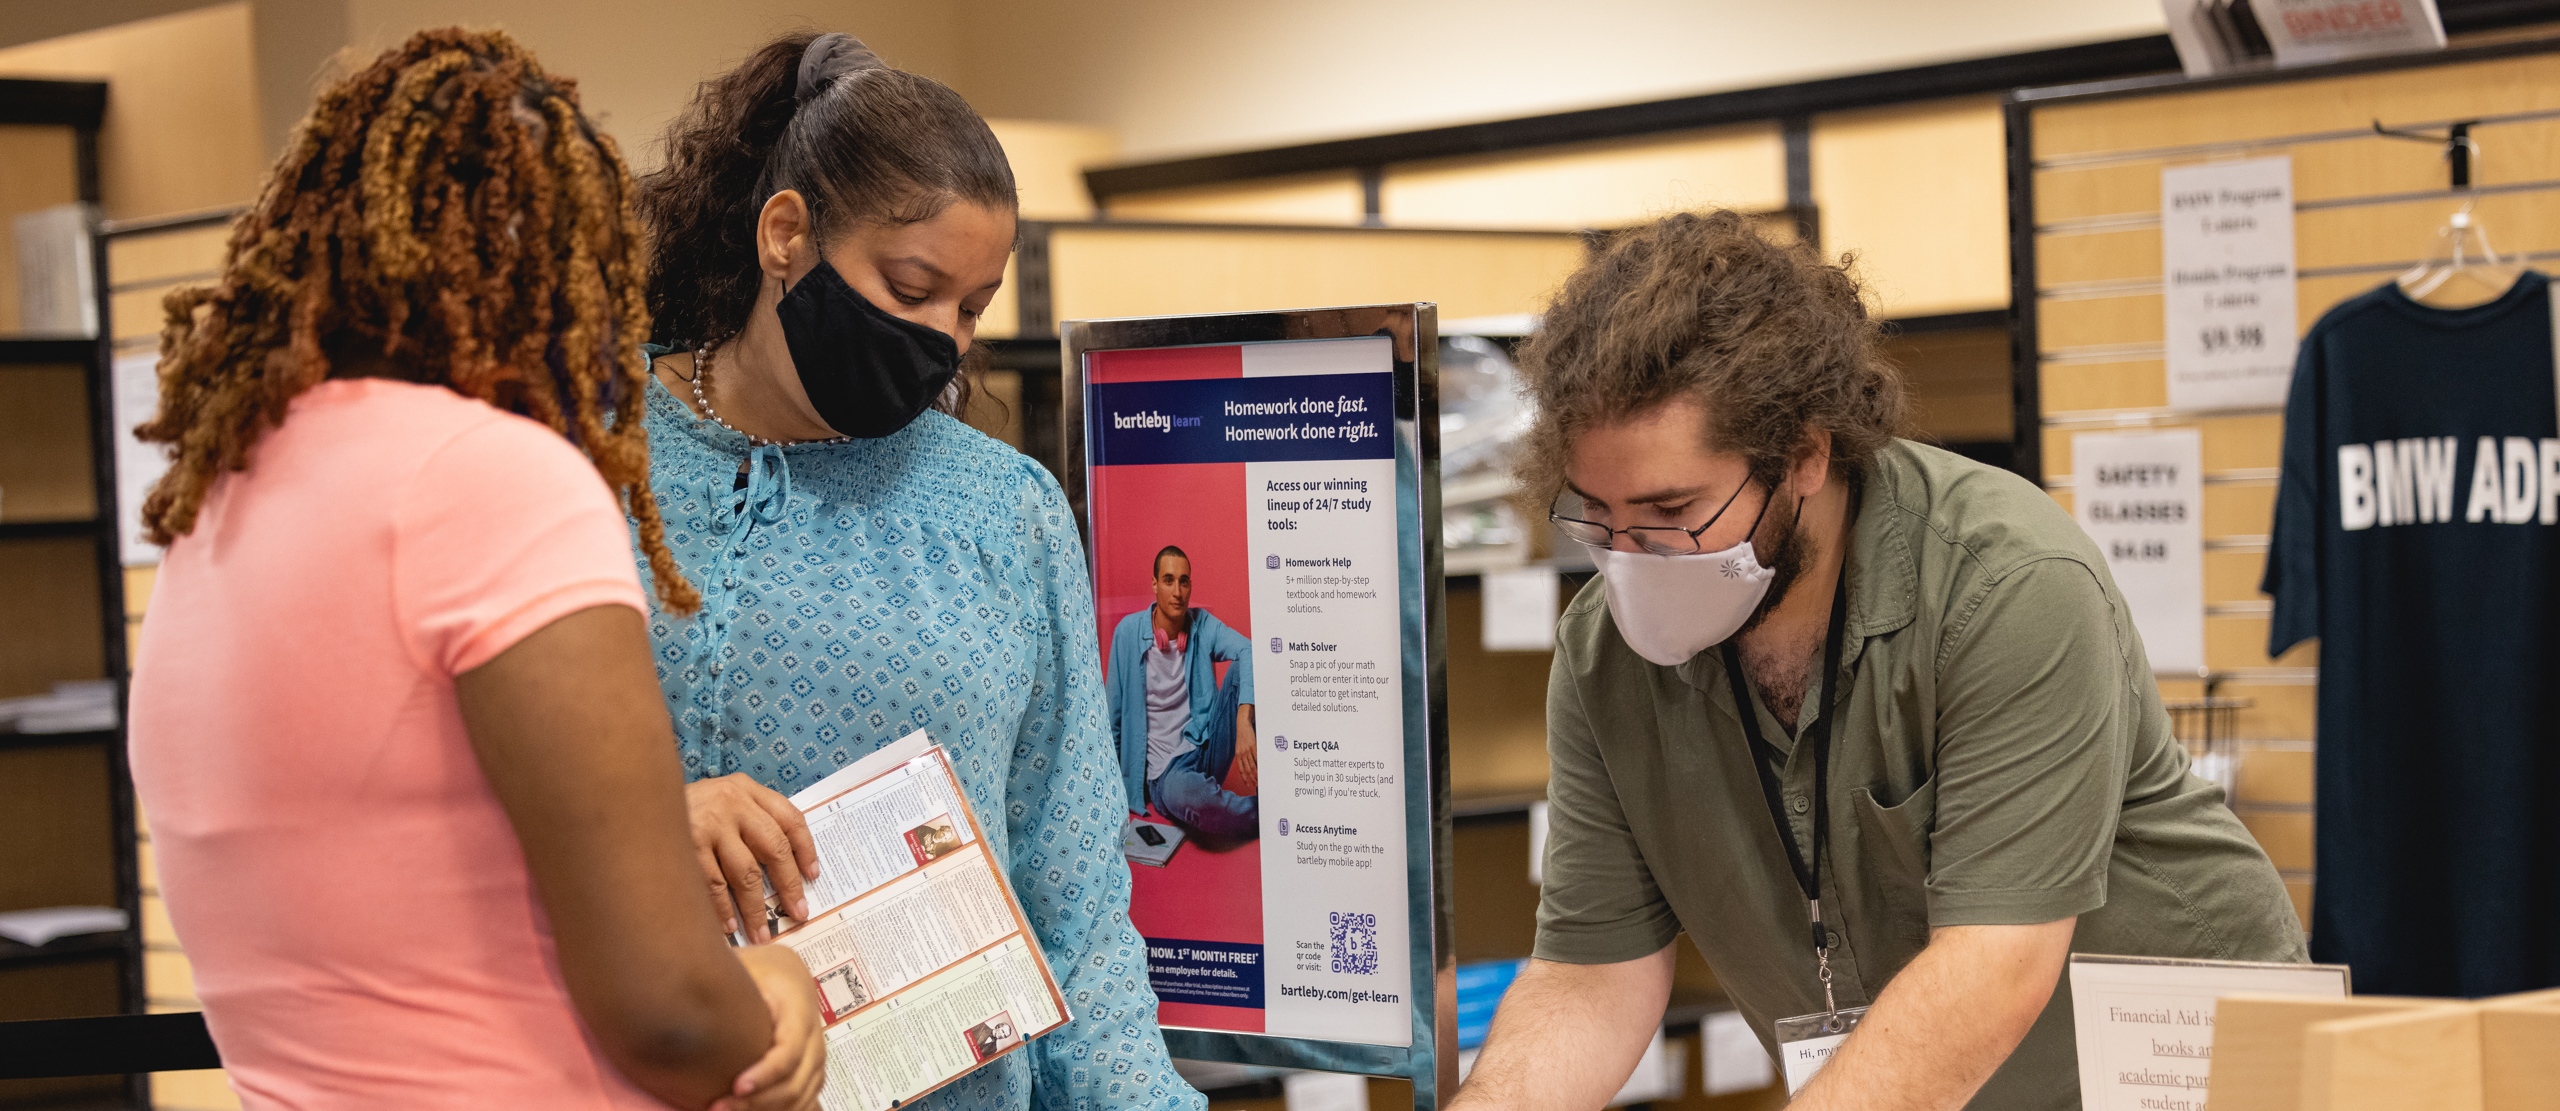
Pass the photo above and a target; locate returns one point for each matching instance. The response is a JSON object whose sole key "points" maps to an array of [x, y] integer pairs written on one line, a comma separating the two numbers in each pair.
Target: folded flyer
{"points": [[926, 968]]}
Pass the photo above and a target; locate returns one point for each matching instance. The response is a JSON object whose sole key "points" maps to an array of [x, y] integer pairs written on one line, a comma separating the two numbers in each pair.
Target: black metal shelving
{"points": [[81, 107]]}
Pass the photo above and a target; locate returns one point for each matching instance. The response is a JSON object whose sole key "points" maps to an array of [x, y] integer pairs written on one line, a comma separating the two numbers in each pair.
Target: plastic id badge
{"points": [[1806, 1042]]}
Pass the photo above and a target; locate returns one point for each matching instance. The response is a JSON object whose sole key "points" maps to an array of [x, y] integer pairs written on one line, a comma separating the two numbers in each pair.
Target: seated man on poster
{"points": [[1180, 728]]}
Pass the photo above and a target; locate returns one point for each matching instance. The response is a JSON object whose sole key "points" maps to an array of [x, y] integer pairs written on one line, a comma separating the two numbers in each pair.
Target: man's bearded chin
{"points": [[1785, 557]]}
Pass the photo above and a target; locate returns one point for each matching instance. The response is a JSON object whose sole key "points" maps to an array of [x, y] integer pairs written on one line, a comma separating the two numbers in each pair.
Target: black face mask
{"points": [[867, 373]]}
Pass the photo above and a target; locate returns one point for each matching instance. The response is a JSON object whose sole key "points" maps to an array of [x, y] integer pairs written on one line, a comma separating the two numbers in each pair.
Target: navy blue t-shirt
{"points": [[2417, 534]]}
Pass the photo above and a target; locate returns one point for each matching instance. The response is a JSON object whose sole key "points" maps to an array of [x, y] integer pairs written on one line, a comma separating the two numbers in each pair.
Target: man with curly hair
{"points": [[1868, 721]]}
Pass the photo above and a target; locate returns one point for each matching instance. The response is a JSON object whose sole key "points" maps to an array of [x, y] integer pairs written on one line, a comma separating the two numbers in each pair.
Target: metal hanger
{"points": [[2462, 247]]}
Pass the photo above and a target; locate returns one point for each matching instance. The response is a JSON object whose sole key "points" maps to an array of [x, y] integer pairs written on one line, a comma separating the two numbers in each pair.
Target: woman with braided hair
{"points": [[825, 233], [408, 780]]}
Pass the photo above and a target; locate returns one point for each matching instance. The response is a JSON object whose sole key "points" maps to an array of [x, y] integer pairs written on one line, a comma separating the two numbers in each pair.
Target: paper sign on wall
{"points": [[2226, 260], [138, 465], [2140, 496], [2144, 1025], [1520, 610]]}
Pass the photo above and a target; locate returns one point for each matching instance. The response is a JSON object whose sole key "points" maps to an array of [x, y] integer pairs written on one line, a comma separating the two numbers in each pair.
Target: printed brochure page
{"points": [[925, 966]]}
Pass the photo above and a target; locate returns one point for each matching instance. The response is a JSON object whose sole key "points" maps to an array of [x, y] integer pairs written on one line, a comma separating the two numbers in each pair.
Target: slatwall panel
{"points": [[141, 269], [2367, 208]]}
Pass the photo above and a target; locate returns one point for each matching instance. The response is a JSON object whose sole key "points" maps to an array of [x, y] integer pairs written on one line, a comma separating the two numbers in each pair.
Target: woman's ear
{"points": [[782, 235]]}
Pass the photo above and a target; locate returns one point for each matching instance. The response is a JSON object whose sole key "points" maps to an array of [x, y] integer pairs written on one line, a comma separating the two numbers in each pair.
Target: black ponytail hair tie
{"points": [[830, 56]]}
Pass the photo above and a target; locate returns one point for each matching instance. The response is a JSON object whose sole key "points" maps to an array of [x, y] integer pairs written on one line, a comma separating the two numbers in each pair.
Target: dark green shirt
{"points": [[2000, 757]]}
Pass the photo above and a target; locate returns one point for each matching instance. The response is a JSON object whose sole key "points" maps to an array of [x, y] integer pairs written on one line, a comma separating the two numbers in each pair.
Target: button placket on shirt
{"points": [[762, 502]]}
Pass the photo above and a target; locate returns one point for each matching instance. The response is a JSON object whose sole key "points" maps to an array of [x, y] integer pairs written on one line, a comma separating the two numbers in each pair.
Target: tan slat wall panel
{"points": [[1591, 185], [2523, 151], [2233, 576], [2285, 836], [2239, 510], [198, 1090], [137, 596], [2241, 641], [157, 932], [2242, 442], [2065, 387], [2280, 712], [168, 978], [2500, 86], [39, 169], [1327, 198], [1101, 271], [2276, 776], [2387, 238], [2367, 235], [2127, 255], [44, 445], [2284, 712], [2368, 239], [1918, 191]]}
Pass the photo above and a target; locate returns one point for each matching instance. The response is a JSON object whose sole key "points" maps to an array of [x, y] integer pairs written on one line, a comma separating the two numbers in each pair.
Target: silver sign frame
{"points": [[1414, 329]]}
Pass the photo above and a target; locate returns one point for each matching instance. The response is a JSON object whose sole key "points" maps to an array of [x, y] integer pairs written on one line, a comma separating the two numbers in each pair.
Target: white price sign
{"points": [[2226, 260], [2308, 32], [2143, 1026], [2140, 496]]}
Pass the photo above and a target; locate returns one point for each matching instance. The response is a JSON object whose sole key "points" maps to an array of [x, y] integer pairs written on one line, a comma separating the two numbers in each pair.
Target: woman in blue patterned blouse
{"points": [[826, 232]]}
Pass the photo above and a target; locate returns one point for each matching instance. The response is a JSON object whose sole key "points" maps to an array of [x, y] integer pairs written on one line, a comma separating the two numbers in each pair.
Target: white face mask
{"points": [[1670, 608]]}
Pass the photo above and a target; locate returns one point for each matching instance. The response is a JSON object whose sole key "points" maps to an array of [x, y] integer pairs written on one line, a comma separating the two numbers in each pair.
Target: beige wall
{"points": [[1169, 78], [637, 61], [1177, 77], [203, 97], [181, 131]]}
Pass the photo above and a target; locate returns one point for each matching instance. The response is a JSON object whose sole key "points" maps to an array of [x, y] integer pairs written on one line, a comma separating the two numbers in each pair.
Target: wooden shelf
{"points": [[77, 947], [15, 741], [1508, 806], [47, 530], [47, 349]]}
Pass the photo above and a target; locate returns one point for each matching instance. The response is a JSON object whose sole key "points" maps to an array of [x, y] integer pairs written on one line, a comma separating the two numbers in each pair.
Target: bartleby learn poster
{"points": [[1243, 506]]}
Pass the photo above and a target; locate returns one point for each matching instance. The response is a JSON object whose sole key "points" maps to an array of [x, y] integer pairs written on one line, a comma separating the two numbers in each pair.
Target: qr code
{"points": [[1355, 943]]}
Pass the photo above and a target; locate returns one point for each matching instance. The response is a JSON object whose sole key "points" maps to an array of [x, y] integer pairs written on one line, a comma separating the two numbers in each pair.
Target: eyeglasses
{"points": [[1658, 539]]}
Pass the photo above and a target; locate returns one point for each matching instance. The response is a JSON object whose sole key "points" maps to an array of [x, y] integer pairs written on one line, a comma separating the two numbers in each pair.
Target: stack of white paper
{"points": [[73, 707], [43, 924]]}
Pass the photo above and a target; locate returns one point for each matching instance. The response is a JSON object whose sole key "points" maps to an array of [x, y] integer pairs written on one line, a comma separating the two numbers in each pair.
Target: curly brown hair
{"points": [[448, 215], [877, 144], [1771, 339]]}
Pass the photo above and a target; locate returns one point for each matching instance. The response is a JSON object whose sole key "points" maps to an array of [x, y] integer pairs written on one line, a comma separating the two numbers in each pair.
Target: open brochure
{"points": [[926, 968]]}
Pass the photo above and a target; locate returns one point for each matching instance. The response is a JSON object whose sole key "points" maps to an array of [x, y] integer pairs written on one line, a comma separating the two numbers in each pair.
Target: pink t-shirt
{"points": [[353, 899]]}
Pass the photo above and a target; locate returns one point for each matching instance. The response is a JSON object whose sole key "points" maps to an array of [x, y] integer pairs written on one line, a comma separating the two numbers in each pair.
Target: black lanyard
{"points": [[1765, 760]]}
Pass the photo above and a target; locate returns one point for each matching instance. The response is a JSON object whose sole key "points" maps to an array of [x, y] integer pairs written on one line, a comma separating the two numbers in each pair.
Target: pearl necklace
{"points": [[702, 374]]}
